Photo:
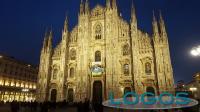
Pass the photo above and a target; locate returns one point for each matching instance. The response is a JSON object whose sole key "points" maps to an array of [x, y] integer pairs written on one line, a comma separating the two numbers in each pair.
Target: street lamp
{"points": [[195, 51]]}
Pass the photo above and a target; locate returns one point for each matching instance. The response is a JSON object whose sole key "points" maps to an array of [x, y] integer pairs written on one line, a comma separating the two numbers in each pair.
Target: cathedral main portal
{"points": [[97, 92]]}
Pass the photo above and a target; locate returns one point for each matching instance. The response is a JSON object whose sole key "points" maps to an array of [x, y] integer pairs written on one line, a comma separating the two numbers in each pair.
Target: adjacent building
{"points": [[17, 80], [104, 53], [194, 86]]}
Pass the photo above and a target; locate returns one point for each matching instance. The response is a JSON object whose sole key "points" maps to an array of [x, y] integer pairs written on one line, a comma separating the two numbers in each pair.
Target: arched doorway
{"points": [[126, 90], [150, 90], [53, 95], [97, 92], [70, 97]]}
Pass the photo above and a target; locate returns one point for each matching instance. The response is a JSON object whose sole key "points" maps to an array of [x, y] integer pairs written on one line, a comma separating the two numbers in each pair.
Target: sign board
{"points": [[96, 70]]}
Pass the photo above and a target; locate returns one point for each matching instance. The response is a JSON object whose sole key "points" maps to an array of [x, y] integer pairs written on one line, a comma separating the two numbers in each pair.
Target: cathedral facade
{"points": [[104, 53]]}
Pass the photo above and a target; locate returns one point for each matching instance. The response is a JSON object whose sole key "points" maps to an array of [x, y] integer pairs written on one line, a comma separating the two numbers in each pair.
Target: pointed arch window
{"points": [[125, 50], [55, 73], [73, 54], [97, 56], [126, 69], [98, 32], [148, 68], [71, 72]]}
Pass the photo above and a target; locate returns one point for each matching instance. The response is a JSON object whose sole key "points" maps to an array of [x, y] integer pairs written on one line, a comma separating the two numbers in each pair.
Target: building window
{"points": [[125, 50], [73, 54], [126, 69], [97, 56], [148, 68], [55, 73], [71, 72], [98, 32]]}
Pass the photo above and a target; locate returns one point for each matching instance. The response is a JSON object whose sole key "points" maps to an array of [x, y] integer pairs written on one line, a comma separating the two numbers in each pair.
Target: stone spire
{"points": [[155, 26], [133, 14], [81, 7], [114, 4], [87, 7], [108, 4], [162, 26], [50, 37], [65, 29], [66, 25], [45, 41]]}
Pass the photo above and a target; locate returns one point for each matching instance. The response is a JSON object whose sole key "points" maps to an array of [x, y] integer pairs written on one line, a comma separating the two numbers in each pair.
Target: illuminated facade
{"points": [[17, 80], [104, 53]]}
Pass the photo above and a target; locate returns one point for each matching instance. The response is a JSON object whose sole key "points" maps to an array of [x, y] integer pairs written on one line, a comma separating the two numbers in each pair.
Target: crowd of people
{"points": [[86, 106], [63, 106]]}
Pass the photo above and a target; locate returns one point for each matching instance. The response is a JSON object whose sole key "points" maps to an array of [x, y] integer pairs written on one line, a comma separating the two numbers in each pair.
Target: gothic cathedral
{"points": [[103, 54]]}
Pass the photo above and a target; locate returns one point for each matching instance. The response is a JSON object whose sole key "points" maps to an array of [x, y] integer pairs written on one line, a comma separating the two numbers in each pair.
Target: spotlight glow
{"points": [[198, 49], [195, 51]]}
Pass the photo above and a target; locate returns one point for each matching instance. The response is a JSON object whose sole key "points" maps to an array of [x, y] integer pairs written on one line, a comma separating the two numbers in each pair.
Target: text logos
{"points": [[165, 100]]}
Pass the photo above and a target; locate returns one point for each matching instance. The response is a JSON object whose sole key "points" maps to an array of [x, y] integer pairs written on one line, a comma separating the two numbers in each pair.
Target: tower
{"points": [[63, 75], [82, 50], [134, 47], [44, 68], [168, 71], [162, 57]]}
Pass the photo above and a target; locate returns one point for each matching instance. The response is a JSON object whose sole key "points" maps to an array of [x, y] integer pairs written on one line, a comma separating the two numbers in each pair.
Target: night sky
{"points": [[24, 22]]}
